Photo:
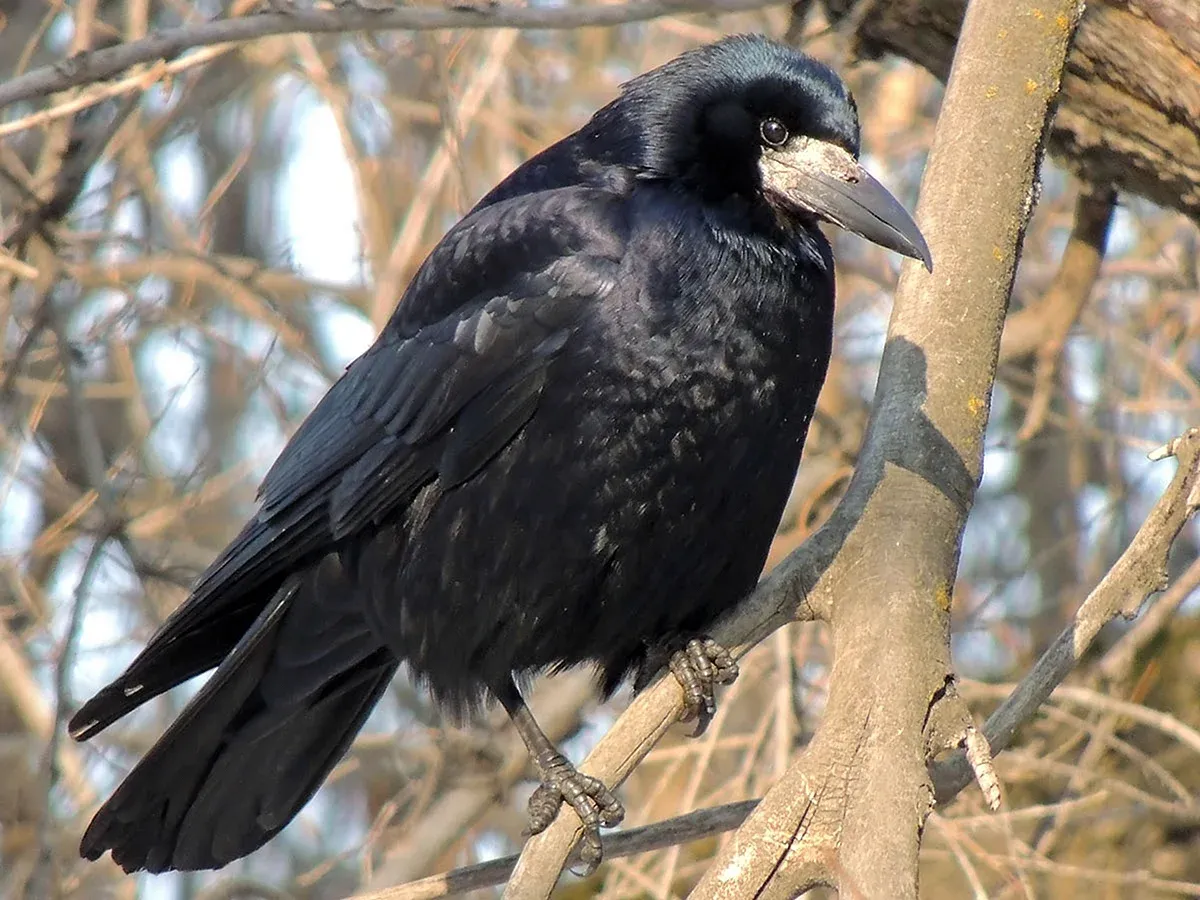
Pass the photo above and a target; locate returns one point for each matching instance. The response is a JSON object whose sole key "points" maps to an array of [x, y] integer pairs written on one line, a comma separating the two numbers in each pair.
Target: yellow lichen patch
{"points": [[1062, 22], [1002, 34], [997, 254], [1030, 85], [975, 406], [1037, 13], [991, 92], [943, 597]]}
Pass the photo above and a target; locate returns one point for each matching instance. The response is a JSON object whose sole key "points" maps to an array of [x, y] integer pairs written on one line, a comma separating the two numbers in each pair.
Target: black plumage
{"points": [[571, 444]]}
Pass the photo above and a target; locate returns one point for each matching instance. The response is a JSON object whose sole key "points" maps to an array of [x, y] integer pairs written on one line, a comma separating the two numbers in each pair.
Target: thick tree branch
{"points": [[1130, 110], [88, 68]]}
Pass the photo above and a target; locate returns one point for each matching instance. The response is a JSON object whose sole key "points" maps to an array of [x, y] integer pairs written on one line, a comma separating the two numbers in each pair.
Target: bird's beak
{"points": [[824, 180]]}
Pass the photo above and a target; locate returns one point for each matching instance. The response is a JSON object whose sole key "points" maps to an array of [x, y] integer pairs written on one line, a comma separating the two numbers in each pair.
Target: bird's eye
{"points": [[774, 133]]}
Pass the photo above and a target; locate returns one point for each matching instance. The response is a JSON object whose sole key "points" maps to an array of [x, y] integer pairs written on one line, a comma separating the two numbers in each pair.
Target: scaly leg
{"points": [[592, 801]]}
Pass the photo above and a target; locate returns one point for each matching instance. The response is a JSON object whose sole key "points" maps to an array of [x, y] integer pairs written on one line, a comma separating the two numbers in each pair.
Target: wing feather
{"points": [[452, 379]]}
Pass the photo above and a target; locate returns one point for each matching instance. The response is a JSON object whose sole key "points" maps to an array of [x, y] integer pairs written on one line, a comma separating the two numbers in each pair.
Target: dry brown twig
{"points": [[1059, 308], [1140, 572], [167, 44], [807, 576]]}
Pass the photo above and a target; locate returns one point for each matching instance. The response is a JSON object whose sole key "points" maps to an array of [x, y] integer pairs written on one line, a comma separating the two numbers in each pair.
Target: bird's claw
{"points": [[592, 801], [699, 668]]}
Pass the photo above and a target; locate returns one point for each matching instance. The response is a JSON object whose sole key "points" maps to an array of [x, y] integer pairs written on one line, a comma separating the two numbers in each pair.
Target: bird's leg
{"points": [[589, 797], [700, 667]]}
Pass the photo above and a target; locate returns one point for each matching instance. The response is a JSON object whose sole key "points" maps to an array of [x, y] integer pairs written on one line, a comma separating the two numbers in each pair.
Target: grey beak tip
{"points": [[912, 244], [918, 247]]}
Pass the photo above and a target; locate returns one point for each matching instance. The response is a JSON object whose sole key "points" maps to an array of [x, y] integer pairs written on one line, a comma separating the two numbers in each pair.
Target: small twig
{"points": [[1066, 296], [242, 889], [1027, 330], [979, 756], [91, 450], [89, 137], [88, 68], [668, 833], [1167, 724], [1140, 572], [41, 880], [1118, 663]]}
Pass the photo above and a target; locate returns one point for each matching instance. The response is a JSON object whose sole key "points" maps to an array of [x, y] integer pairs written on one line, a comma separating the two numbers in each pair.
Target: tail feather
{"points": [[252, 746], [223, 606], [160, 668]]}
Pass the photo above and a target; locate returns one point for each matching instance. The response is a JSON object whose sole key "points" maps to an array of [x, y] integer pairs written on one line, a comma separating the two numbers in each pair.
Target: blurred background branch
{"points": [[233, 220]]}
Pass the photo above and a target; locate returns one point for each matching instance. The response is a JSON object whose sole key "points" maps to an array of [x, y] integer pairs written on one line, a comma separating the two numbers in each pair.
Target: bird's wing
{"points": [[458, 369], [453, 377]]}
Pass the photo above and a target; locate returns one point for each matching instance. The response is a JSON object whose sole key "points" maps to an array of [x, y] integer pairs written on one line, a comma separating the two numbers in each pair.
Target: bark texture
{"points": [[1130, 109]]}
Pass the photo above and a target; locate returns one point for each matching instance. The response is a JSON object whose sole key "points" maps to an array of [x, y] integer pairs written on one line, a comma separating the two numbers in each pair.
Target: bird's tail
{"points": [[254, 744]]}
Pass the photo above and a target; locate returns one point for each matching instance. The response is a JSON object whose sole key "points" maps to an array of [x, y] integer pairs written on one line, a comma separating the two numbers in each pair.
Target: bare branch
{"points": [[88, 68], [668, 833], [1059, 309], [1140, 572], [42, 881], [1119, 661], [1056, 311]]}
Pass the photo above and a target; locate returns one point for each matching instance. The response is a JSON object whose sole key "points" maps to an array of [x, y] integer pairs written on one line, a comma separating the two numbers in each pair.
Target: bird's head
{"points": [[753, 120]]}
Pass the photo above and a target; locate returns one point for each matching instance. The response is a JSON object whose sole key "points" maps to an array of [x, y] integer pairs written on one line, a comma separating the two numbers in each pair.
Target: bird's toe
{"points": [[699, 668], [596, 806]]}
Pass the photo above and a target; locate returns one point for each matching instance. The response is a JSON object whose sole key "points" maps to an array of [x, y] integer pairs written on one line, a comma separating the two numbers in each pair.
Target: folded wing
{"points": [[453, 377]]}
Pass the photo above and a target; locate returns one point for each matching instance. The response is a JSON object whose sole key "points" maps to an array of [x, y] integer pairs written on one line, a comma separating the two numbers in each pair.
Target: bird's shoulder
{"points": [[458, 368], [540, 244]]}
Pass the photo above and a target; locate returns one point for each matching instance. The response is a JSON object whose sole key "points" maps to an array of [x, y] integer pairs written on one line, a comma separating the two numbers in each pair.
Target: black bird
{"points": [[571, 444]]}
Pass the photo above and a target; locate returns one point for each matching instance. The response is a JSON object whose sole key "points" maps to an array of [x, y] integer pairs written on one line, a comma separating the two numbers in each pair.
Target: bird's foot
{"points": [[699, 668], [592, 801]]}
